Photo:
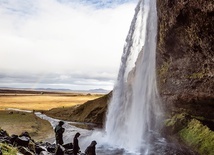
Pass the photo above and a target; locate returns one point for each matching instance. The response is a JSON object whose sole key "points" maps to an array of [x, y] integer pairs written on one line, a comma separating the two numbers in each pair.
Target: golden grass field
{"points": [[43, 102], [18, 122]]}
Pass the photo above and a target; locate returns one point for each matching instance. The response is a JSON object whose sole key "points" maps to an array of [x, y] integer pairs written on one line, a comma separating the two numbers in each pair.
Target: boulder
{"points": [[25, 151], [22, 141]]}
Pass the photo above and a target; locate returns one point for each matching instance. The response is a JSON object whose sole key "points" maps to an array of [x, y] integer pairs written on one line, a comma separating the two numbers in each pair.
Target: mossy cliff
{"points": [[192, 131], [185, 70], [185, 50]]}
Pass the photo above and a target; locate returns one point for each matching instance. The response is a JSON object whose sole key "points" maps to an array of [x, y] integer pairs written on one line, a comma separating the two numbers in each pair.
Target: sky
{"points": [[62, 44]]}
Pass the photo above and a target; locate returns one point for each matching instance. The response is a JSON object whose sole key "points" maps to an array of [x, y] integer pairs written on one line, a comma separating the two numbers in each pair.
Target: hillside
{"points": [[93, 111]]}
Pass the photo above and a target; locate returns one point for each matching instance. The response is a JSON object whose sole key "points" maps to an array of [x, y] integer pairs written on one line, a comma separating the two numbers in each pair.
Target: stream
{"points": [[87, 135], [157, 146]]}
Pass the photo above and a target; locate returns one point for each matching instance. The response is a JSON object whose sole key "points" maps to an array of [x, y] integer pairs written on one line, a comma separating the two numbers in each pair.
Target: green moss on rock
{"points": [[191, 131], [163, 71], [177, 122], [197, 75], [199, 137], [8, 150]]}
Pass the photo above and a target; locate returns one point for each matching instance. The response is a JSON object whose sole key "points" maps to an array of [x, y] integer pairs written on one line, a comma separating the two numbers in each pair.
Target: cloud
{"points": [[71, 81], [63, 38]]}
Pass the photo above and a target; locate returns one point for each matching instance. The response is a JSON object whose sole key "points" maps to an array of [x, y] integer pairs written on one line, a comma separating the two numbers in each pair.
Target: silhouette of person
{"points": [[59, 150], [76, 147], [91, 149], [59, 130]]}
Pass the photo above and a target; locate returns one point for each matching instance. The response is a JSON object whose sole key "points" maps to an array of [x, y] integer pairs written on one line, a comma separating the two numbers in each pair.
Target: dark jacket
{"points": [[76, 147], [59, 130], [91, 149]]}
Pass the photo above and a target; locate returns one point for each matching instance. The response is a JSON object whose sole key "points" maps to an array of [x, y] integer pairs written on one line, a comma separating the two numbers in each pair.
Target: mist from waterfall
{"points": [[134, 111]]}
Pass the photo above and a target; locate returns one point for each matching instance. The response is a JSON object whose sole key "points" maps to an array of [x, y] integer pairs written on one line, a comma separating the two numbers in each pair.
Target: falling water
{"points": [[134, 111]]}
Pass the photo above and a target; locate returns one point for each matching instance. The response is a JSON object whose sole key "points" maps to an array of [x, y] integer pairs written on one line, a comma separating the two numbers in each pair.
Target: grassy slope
{"points": [[18, 122], [92, 111]]}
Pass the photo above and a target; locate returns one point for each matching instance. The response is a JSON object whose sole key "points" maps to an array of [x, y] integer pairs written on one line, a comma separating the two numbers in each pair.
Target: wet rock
{"points": [[68, 151], [40, 149], [68, 146], [25, 151], [25, 134], [32, 146], [22, 141], [13, 138], [50, 147], [3, 133], [4, 137], [185, 65], [185, 48], [45, 153], [28, 146]]}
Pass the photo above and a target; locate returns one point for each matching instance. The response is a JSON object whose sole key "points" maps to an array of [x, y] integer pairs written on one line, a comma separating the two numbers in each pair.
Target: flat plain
{"points": [[43, 101], [17, 122]]}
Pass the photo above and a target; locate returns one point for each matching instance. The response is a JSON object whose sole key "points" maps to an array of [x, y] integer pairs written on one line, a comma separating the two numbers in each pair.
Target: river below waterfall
{"points": [[157, 146]]}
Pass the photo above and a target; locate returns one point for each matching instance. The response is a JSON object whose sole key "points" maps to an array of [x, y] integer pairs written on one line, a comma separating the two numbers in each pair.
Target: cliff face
{"points": [[185, 50], [185, 62]]}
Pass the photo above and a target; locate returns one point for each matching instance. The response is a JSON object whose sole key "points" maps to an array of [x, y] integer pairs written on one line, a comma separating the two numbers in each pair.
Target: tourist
{"points": [[76, 148], [91, 149], [59, 130]]}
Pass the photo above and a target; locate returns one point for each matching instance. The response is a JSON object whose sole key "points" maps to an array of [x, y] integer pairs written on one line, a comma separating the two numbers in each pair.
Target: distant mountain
{"points": [[99, 90], [52, 89], [102, 91]]}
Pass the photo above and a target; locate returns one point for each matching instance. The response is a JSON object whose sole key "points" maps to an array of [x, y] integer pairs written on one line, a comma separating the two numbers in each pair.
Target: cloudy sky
{"points": [[69, 44]]}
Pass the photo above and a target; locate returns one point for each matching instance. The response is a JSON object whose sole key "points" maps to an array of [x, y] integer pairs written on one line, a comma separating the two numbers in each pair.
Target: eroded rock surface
{"points": [[185, 66]]}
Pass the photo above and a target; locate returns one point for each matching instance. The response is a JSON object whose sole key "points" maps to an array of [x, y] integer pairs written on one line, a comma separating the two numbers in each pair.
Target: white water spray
{"points": [[134, 111]]}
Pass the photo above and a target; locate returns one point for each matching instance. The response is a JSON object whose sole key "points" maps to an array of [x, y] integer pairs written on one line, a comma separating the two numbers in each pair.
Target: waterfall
{"points": [[134, 111]]}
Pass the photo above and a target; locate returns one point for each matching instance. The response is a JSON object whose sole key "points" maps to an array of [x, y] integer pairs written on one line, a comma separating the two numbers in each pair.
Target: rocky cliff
{"points": [[185, 58], [185, 69]]}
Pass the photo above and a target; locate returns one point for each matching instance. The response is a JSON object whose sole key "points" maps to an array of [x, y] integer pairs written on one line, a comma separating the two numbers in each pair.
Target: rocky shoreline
{"points": [[24, 144]]}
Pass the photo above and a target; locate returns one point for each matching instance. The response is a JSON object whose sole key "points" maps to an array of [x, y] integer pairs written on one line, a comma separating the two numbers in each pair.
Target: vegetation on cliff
{"points": [[192, 132], [185, 67], [93, 111]]}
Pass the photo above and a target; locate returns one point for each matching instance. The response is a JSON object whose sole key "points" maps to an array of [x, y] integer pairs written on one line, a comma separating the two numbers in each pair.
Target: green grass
{"points": [[8, 150], [18, 122], [198, 136], [192, 132]]}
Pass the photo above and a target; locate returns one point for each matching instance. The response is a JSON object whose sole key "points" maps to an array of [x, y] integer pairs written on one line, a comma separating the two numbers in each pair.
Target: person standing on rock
{"points": [[76, 148], [59, 130], [91, 149]]}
